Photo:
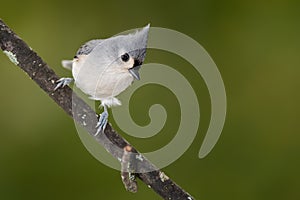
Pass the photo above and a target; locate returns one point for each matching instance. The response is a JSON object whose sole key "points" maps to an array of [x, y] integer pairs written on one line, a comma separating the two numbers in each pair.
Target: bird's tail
{"points": [[67, 64]]}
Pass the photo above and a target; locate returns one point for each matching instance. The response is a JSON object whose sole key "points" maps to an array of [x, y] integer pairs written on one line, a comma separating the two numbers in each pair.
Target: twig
{"points": [[24, 57], [127, 170]]}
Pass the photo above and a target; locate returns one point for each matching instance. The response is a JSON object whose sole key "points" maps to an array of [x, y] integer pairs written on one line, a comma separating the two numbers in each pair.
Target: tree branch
{"points": [[24, 57]]}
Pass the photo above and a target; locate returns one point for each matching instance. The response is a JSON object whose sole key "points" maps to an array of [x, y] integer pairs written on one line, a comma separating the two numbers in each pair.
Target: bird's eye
{"points": [[125, 57]]}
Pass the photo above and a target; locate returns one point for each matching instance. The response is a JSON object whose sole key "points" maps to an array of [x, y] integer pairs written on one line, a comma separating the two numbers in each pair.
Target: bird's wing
{"points": [[88, 47], [85, 49]]}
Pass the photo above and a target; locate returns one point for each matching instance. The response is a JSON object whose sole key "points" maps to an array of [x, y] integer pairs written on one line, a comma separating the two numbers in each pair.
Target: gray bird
{"points": [[104, 68]]}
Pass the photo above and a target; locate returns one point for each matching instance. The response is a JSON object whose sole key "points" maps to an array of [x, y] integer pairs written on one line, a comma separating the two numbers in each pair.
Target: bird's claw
{"points": [[102, 122], [62, 82]]}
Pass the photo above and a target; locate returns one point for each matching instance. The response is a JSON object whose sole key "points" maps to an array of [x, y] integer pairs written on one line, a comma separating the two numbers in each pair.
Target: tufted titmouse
{"points": [[104, 68]]}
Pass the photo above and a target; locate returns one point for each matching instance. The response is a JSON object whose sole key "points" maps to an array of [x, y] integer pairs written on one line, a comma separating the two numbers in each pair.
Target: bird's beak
{"points": [[134, 71]]}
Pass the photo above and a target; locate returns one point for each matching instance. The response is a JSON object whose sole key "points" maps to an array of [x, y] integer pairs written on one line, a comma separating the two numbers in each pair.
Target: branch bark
{"points": [[28, 60]]}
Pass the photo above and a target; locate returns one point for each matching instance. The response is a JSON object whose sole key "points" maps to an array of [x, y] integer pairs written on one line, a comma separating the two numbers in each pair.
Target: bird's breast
{"points": [[100, 82]]}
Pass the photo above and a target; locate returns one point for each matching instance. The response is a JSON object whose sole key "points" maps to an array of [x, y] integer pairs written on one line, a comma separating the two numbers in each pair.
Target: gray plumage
{"points": [[104, 68], [85, 49], [88, 47], [99, 70]]}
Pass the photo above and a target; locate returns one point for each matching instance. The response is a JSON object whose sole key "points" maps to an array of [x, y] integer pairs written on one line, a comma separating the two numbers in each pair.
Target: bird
{"points": [[103, 68]]}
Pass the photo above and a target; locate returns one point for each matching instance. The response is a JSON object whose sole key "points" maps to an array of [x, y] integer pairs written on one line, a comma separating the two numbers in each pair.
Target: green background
{"points": [[256, 47]]}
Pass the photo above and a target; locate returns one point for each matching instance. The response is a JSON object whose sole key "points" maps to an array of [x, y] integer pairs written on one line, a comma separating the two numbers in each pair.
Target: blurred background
{"points": [[255, 45]]}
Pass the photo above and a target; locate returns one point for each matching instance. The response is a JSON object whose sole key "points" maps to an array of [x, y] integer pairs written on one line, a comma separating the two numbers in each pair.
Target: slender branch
{"points": [[24, 57], [128, 178]]}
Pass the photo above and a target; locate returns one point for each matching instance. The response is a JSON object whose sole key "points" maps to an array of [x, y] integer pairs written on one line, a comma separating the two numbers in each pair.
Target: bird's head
{"points": [[121, 53], [132, 50]]}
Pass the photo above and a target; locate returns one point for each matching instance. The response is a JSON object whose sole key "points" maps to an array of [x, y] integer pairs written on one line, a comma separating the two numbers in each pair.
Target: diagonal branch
{"points": [[24, 57]]}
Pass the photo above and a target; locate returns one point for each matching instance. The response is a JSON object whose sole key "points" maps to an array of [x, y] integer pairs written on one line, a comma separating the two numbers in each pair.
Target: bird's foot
{"points": [[103, 119], [62, 82]]}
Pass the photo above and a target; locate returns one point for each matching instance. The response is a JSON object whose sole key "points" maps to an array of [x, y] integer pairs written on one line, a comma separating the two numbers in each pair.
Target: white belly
{"points": [[100, 83]]}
